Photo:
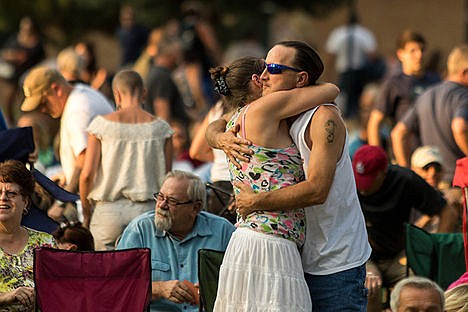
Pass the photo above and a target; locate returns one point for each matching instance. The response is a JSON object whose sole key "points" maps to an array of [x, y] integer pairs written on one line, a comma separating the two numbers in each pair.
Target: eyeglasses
{"points": [[9, 194], [275, 69], [169, 200]]}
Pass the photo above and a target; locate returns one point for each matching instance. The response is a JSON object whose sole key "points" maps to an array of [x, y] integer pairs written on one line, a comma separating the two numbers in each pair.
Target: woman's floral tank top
{"points": [[270, 169]]}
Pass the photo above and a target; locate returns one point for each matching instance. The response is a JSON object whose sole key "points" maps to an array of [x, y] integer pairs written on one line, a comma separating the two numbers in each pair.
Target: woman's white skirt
{"points": [[261, 272]]}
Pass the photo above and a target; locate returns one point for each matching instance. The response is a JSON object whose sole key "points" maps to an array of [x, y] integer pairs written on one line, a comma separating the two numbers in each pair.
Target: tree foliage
{"points": [[73, 17]]}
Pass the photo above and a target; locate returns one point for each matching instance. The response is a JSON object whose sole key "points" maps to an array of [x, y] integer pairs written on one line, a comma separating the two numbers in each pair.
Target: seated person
{"points": [[428, 163], [74, 236], [17, 242], [387, 194], [174, 232], [456, 299], [417, 293]]}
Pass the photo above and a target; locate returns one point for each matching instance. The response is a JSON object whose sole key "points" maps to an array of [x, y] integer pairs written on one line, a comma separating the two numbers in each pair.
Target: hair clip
{"points": [[221, 86]]}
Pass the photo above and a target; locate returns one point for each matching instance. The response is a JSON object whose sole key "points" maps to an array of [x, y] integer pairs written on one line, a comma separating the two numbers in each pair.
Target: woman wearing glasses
{"points": [[262, 266], [129, 153], [17, 242]]}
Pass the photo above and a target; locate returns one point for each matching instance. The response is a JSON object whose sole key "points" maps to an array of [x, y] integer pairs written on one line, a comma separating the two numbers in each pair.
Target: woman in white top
{"points": [[129, 152]]}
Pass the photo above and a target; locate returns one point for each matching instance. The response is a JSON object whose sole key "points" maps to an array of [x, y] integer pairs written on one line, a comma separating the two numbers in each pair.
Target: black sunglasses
{"points": [[275, 69]]}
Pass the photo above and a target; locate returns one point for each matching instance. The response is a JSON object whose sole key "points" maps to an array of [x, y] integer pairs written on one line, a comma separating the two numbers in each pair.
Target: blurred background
{"points": [[63, 22], [111, 35]]}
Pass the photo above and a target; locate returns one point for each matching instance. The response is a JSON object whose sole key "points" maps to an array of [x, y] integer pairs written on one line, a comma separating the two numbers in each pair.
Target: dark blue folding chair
{"points": [[17, 144]]}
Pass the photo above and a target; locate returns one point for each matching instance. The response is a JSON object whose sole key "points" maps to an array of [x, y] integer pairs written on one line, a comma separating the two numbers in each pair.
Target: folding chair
{"points": [[17, 144], [225, 198], [118, 280], [209, 262], [438, 256]]}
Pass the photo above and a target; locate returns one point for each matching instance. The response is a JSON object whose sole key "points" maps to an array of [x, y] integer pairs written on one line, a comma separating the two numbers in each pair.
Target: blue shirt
{"points": [[174, 259]]}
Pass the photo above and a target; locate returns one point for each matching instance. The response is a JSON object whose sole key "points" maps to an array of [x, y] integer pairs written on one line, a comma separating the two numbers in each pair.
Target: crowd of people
{"points": [[251, 154]]}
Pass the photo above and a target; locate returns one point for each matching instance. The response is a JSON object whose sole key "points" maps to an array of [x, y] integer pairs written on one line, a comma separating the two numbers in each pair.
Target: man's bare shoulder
{"points": [[326, 112], [327, 128]]}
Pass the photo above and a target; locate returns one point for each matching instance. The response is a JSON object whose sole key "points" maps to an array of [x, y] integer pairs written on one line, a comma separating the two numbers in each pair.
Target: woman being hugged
{"points": [[262, 267], [17, 243]]}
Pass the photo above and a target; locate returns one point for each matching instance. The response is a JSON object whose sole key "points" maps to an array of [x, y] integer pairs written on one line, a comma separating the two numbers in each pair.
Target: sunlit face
{"points": [[431, 173], [411, 57], [175, 218], [419, 300], [12, 203], [288, 78]]}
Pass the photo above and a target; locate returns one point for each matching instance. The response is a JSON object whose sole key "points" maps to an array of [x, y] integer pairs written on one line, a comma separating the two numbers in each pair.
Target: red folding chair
{"points": [[118, 280]]}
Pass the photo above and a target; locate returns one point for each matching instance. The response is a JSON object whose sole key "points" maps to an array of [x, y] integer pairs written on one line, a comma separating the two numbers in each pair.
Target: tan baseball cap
{"points": [[37, 81]]}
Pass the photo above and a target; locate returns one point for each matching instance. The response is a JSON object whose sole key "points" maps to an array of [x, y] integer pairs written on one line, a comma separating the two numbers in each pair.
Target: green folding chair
{"points": [[438, 256], [209, 263]]}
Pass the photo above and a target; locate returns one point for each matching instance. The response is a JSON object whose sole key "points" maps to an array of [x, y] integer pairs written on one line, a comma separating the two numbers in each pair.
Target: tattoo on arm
{"points": [[330, 127]]}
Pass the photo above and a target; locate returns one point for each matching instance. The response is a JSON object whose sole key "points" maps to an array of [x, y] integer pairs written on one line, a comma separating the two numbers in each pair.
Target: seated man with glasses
{"points": [[174, 232]]}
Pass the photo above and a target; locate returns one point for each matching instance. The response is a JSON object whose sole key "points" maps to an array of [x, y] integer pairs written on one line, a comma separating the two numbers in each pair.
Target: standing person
{"points": [[439, 117], [417, 293], [175, 231], [17, 242], [71, 65], [141, 145], [131, 35], [46, 90], [351, 48], [264, 250], [399, 91], [164, 99], [336, 246], [22, 51], [201, 50]]}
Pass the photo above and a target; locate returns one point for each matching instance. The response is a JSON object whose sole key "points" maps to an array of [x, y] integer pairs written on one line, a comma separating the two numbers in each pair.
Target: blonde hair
{"points": [[456, 299], [457, 59]]}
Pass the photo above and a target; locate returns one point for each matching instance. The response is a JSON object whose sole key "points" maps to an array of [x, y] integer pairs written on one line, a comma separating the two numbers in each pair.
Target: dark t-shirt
{"points": [[431, 118], [34, 55], [399, 93], [132, 42], [389, 209], [161, 85]]}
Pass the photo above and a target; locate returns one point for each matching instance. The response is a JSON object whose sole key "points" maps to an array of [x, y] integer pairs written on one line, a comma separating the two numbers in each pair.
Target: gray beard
{"points": [[163, 223]]}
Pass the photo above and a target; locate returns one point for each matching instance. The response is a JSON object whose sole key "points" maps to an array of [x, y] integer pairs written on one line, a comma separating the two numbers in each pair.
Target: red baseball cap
{"points": [[368, 161]]}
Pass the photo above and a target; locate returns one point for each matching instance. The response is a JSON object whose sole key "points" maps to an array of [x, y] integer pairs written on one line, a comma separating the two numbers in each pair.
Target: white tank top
{"points": [[336, 237]]}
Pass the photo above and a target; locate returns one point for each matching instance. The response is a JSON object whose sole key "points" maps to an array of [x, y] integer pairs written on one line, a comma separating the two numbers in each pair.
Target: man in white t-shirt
{"points": [[336, 247], [46, 90]]}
